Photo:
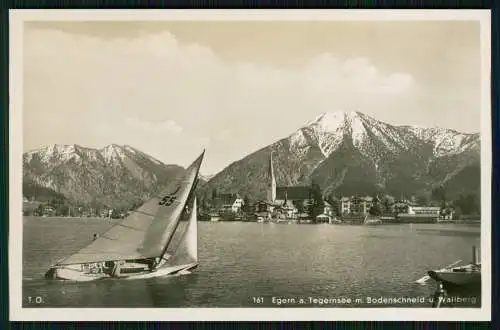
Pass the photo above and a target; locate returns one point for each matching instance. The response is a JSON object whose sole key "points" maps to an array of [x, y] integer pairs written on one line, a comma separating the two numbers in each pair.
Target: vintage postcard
{"points": [[250, 165]]}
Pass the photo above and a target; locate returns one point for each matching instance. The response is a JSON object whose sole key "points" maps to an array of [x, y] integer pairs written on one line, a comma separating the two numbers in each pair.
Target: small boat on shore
{"points": [[460, 276], [372, 221], [466, 275]]}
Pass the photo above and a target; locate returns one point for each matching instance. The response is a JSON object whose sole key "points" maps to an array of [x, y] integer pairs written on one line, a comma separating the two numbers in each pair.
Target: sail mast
{"points": [[176, 222], [176, 225], [188, 242]]}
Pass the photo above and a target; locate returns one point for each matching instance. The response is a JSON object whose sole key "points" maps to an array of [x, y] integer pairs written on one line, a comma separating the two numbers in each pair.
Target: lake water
{"points": [[247, 264]]}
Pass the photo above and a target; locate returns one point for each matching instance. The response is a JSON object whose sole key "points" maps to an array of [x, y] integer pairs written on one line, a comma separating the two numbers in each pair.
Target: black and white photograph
{"points": [[176, 165]]}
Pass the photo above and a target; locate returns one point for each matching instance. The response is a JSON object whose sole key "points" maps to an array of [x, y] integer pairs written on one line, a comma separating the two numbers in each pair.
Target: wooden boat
{"points": [[372, 221], [460, 276], [136, 247], [466, 275]]}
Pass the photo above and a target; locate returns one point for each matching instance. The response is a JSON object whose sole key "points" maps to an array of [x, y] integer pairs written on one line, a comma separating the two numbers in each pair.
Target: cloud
{"points": [[167, 126], [171, 126], [330, 78], [223, 135], [155, 84]]}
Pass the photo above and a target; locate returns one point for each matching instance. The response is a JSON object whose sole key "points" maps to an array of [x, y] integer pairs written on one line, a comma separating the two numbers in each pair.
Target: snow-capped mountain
{"points": [[329, 130], [114, 175], [206, 178], [350, 152]]}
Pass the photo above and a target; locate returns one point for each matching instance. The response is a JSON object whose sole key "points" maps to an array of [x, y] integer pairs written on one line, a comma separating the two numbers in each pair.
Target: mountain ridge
{"points": [[115, 176], [347, 153], [394, 156]]}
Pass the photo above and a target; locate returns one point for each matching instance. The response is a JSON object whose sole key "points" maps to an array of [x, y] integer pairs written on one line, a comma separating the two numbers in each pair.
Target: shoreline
{"points": [[285, 222]]}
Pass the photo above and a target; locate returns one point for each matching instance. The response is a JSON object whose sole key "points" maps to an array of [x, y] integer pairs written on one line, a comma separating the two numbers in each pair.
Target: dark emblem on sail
{"points": [[169, 199]]}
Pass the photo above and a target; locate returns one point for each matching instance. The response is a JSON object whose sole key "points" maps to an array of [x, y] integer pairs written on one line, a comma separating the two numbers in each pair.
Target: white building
{"points": [[356, 205], [237, 205], [427, 210], [328, 209]]}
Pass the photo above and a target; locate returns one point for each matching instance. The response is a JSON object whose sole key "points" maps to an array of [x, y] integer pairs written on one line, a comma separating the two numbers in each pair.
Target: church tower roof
{"points": [[271, 190]]}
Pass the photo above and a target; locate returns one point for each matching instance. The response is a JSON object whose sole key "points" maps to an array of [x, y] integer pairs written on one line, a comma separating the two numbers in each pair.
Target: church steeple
{"points": [[271, 189]]}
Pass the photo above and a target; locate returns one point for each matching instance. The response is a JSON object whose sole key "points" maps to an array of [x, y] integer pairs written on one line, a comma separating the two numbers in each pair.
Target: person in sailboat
{"points": [[116, 269], [152, 263], [159, 261]]}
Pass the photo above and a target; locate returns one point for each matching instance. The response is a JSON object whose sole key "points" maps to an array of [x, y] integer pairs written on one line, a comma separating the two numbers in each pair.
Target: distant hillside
{"points": [[346, 153], [114, 176], [34, 191]]}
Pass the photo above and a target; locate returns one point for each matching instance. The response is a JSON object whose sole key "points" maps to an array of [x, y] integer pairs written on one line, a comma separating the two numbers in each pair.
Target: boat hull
{"points": [[373, 222], [72, 273], [164, 271], [461, 276]]}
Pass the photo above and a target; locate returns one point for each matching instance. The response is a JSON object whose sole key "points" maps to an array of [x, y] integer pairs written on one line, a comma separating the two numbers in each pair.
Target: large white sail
{"points": [[146, 232], [187, 250]]}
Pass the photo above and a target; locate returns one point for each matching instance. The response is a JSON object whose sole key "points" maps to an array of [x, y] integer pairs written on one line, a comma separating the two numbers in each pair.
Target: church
{"points": [[285, 201]]}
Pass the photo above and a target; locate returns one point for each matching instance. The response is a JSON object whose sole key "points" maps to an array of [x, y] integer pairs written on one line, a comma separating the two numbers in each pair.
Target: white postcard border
{"points": [[17, 312]]}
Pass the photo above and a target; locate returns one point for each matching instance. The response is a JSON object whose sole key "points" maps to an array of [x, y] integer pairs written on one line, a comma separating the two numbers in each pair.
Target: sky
{"points": [[173, 88]]}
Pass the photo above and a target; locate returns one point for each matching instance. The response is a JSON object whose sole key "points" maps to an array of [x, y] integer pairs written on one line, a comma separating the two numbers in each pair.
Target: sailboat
{"points": [[185, 257], [136, 247], [467, 275]]}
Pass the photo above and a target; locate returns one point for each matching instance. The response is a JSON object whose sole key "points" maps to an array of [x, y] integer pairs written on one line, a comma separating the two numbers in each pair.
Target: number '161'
{"points": [[258, 300]]}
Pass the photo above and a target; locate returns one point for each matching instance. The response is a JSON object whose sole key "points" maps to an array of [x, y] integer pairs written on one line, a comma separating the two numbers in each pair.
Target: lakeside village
{"points": [[301, 204]]}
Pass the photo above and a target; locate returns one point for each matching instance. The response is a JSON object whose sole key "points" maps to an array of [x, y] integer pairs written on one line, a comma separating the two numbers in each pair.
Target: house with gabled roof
{"points": [[229, 202]]}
